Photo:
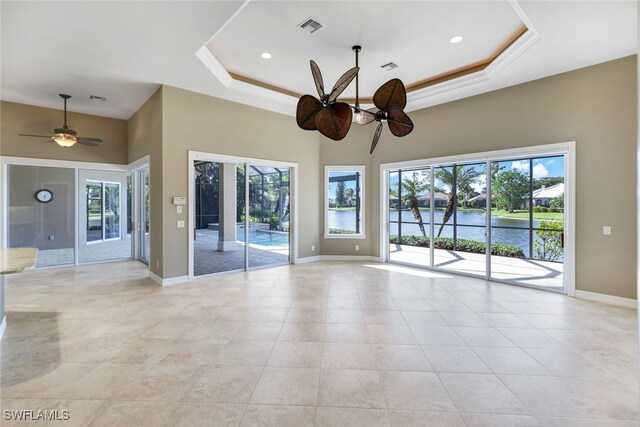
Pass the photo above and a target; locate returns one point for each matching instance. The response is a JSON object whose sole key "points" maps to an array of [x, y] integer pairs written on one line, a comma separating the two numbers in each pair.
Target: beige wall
{"points": [[594, 106], [145, 138], [20, 118], [198, 122]]}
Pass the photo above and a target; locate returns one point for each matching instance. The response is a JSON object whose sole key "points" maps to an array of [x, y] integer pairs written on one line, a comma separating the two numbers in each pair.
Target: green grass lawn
{"points": [[524, 214]]}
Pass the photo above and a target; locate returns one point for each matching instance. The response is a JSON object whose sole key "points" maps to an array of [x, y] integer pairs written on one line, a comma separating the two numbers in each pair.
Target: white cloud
{"points": [[539, 170], [479, 184], [521, 165]]}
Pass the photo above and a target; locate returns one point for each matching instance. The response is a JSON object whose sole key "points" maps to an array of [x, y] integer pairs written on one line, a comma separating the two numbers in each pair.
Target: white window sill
{"points": [[345, 236]]}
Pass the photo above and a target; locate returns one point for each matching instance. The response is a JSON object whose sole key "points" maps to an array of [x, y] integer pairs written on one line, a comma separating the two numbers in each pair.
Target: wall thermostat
{"points": [[179, 200]]}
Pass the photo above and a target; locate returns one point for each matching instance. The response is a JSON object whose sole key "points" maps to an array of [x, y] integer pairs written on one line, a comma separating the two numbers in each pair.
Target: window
{"points": [[344, 198]]}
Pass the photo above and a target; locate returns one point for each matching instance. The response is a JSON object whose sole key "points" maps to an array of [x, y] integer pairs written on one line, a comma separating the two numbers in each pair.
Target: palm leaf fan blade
{"points": [[317, 78], [399, 123], [390, 93], [342, 83], [376, 138], [334, 120], [308, 107]]}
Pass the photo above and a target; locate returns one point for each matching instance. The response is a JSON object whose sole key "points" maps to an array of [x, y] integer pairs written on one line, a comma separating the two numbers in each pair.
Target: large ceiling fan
{"points": [[333, 119], [65, 136]]}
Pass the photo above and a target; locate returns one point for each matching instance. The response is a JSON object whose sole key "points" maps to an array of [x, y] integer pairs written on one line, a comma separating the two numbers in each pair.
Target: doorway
{"points": [[241, 213], [504, 216], [103, 205]]}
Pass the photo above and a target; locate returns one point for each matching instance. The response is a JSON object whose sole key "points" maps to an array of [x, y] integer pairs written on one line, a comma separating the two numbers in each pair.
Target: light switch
{"points": [[606, 230], [179, 209], [180, 224]]}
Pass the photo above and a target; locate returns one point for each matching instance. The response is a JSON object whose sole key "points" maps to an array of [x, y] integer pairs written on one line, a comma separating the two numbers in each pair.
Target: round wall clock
{"points": [[44, 196]]}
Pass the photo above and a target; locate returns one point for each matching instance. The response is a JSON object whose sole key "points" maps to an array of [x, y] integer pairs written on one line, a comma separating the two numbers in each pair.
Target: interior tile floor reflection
{"points": [[324, 344]]}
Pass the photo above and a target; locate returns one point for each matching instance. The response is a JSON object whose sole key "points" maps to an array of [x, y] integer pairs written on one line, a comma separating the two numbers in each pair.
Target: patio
{"points": [[208, 260], [525, 271]]}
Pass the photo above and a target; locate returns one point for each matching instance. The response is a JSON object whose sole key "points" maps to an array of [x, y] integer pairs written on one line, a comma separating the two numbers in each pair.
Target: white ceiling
{"points": [[414, 35], [124, 50]]}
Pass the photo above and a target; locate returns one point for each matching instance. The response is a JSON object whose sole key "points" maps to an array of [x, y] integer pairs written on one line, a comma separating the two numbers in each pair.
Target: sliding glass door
{"points": [[241, 216], [269, 215], [103, 215], [527, 239], [218, 239], [410, 216], [460, 233], [497, 219]]}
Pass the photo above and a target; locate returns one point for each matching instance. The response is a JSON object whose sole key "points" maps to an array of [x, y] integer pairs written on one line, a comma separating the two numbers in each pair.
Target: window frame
{"points": [[345, 168]]}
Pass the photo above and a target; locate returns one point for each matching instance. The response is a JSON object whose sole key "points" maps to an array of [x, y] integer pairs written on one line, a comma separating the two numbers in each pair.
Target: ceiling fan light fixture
{"points": [[65, 140], [361, 117]]}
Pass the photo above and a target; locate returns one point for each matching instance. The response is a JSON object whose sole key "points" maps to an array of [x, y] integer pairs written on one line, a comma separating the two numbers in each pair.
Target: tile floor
{"points": [[324, 344]]}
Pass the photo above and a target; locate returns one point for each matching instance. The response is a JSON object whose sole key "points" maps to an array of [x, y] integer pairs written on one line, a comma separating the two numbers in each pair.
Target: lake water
{"points": [[518, 238]]}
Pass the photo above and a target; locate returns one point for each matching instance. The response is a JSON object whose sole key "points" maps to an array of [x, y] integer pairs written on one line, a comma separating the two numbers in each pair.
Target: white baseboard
{"points": [[167, 282], [308, 259], [607, 299], [349, 258], [3, 326], [363, 258]]}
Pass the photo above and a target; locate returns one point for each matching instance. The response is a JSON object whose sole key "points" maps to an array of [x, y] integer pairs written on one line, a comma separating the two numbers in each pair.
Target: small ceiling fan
{"points": [[65, 136]]}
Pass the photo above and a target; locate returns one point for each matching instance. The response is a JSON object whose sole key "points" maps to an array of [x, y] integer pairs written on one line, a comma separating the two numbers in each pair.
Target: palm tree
{"points": [[465, 176], [350, 196], [413, 187]]}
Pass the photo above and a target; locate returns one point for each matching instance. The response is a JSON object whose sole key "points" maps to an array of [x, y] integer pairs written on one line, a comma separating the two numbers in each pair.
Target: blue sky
{"points": [[544, 167]]}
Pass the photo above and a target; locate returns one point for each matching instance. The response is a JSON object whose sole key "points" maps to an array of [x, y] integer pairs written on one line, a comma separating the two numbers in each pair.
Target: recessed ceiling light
{"points": [[266, 55], [456, 39]]}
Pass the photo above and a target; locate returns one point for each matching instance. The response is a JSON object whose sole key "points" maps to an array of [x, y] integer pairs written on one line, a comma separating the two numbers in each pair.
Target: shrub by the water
{"points": [[463, 245]]}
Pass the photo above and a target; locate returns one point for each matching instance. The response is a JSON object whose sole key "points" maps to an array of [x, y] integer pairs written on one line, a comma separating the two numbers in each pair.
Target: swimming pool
{"points": [[268, 238], [256, 236]]}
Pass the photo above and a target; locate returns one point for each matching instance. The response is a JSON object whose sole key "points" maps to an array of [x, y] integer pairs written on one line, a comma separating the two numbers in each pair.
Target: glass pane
{"points": [[49, 226], [344, 215], [111, 211], [129, 204], [510, 192], [528, 236], [548, 191], [460, 241], [219, 235], [94, 211], [410, 216], [145, 235], [269, 207]]}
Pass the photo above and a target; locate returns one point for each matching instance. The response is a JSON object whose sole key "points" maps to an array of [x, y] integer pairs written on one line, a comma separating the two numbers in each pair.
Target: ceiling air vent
{"points": [[97, 98], [311, 25], [389, 66]]}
